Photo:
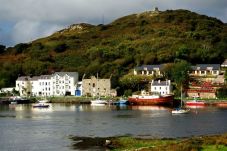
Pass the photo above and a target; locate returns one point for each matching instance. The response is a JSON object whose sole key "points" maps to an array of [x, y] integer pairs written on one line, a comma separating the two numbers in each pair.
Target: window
{"points": [[93, 85], [160, 88]]}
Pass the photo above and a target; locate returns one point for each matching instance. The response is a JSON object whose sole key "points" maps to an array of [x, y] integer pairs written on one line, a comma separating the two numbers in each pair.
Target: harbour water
{"points": [[23, 128]]}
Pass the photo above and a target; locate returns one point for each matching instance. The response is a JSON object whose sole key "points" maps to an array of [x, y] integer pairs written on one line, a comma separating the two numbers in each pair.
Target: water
{"points": [[23, 128]]}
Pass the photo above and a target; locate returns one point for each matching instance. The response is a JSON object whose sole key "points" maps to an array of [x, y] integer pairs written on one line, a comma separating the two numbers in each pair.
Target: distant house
{"points": [[224, 64], [205, 70], [161, 87], [148, 70], [7, 90], [97, 87]]}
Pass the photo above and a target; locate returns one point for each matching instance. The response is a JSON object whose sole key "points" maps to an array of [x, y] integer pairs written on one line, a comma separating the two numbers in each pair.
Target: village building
{"points": [[203, 90], [97, 87], [64, 83], [57, 84], [205, 70], [161, 87], [150, 70], [224, 64]]}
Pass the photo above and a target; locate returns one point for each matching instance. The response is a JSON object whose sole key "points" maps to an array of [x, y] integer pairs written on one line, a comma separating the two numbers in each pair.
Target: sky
{"points": [[23, 21]]}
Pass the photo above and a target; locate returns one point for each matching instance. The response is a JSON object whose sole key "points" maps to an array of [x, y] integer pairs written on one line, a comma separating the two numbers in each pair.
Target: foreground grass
{"points": [[203, 143]]}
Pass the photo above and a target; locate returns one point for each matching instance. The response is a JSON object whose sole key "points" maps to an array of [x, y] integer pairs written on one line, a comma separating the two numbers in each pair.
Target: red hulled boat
{"points": [[196, 103], [153, 99]]}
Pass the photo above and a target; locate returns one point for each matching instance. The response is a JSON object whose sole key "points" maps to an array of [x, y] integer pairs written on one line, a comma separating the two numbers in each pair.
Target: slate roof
{"points": [[206, 66], [23, 78], [72, 74], [149, 67], [224, 64], [160, 83]]}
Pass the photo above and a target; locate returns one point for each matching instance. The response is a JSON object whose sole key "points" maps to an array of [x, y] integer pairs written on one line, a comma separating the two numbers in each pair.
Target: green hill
{"points": [[114, 49]]}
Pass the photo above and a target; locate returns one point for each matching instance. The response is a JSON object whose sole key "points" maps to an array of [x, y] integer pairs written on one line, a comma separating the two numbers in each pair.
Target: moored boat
{"points": [[180, 111], [151, 99], [196, 103], [121, 102], [99, 102], [43, 101], [221, 104], [18, 100], [41, 105]]}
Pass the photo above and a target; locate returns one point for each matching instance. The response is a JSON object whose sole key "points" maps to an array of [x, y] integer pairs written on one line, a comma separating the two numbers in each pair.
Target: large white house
{"points": [[57, 84], [161, 87]]}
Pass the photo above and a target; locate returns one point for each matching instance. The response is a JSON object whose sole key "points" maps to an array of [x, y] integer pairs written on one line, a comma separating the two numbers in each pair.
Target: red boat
{"points": [[151, 99], [196, 103]]}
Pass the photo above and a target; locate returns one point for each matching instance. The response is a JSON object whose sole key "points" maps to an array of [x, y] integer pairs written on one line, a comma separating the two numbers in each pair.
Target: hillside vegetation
{"points": [[116, 48]]}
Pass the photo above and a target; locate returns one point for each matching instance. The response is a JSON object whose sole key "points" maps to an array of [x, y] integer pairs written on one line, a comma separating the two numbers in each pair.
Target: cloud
{"points": [[36, 18], [25, 31]]}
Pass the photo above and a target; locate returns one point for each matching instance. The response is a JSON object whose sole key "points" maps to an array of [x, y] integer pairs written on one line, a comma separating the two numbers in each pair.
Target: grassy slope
{"points": [[116, 48]]}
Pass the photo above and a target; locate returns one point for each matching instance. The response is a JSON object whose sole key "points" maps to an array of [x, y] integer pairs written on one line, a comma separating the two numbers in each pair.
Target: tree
{"points": [[2, 49], [180, 73]]}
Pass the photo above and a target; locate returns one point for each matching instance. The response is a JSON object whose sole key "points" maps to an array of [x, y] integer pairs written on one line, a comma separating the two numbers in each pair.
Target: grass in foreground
{"points": [[203, 143]]}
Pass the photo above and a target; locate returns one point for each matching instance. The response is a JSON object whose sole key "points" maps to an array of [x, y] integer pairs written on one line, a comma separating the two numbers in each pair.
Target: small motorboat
{"points": [[41, 105]]}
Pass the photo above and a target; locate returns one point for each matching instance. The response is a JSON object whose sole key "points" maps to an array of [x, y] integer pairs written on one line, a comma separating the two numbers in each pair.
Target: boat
{"points": [[41, 105], [151, 99], [196, 102], [43, 101], [99, 102], [121, 102], [181, 109], [18, 100], [221, 104]]}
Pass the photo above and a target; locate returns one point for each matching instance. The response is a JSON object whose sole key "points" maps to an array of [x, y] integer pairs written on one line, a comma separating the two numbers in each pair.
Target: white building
{"points": [[57, 84], [161, 87], [151, 70], [64, 83]]}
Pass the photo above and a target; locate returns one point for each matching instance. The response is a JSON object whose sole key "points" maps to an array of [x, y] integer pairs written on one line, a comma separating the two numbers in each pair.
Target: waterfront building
{"points": [[161, 87], [64, 83], [96, 87], [57, 84]]}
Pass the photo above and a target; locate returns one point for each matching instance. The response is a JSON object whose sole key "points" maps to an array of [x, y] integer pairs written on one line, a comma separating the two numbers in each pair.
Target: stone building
{"points": [[96, 87]]}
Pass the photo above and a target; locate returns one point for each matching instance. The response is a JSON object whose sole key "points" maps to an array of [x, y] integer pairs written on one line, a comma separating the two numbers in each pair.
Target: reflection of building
{"points": [[96, 87], [153, 70], [161, 87], [57, 84]]}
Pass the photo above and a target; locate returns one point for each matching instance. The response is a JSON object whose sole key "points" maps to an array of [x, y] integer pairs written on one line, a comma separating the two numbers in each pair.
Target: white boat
{"points": [[180, 110], [43, 101], [99, 102]]}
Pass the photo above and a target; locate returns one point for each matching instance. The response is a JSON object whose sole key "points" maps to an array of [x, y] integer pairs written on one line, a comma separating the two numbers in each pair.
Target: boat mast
{"points": [[181, 97]]}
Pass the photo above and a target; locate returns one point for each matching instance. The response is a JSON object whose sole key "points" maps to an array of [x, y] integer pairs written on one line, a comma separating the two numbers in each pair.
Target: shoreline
{"points": [[196, 143]]}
